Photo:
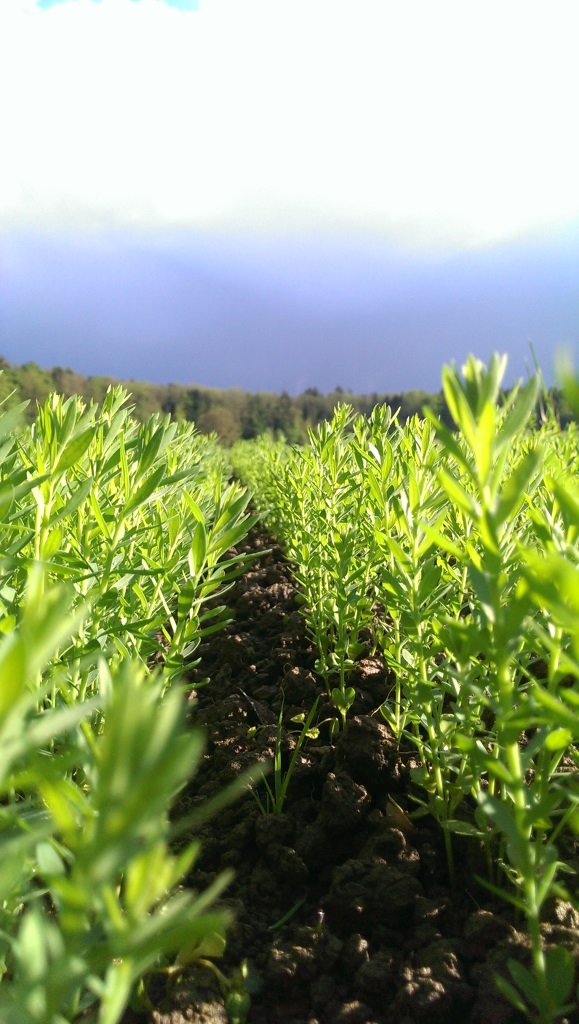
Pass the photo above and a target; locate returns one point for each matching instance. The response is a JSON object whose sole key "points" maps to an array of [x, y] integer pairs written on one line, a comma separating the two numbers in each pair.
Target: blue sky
{"points": [[287, 193]]}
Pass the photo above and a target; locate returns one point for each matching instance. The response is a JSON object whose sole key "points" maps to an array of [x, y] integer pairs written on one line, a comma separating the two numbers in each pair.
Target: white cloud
{"points": [[445, 122]]}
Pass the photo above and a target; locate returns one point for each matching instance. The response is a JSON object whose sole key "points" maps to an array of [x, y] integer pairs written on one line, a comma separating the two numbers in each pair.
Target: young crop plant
{"points": [[260, 464], [312, 498], [137, 517], [276, 791], [404, 501], [457, 550], [88, 879], [493, 474], [324, 535], [113, 535]]}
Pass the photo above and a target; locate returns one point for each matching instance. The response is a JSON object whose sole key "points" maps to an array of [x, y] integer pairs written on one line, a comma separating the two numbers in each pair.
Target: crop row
{"points": [[453, 554], [113, 536], [456, 553]]}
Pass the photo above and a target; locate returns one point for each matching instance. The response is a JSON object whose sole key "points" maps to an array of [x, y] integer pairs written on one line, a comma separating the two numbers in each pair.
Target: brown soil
{"points": [[373, 932]]}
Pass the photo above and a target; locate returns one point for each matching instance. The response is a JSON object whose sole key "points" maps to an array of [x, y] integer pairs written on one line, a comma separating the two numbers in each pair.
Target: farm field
{"points": [[307, 763], [375, 932]]}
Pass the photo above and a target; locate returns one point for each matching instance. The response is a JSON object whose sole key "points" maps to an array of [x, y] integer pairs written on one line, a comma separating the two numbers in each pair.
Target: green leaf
{"points": [[505, 821], [233, 504], [525, 981], [548, 865], [51, 544], [343, 701], [10, 419], [193, 507], [10, 493], [74, 502], [13, 676], [510, 993], [481, 584], [449, 442], [74, 450], [560, 972], [561, 716], [462, 828], [514, 491], [105, 529], [32, 944], [458, 495], [568, 501], [457, 402], [198, 551], [522, 409], [151, 450], [6, 499], [49, 862], [483, 445], [503, 894], [221, 542], [118, 982], [145, 491], [558, 739]]}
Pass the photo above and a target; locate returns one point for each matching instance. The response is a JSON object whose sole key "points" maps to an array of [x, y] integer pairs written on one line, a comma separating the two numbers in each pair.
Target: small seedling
{"points": [[276, 794]]}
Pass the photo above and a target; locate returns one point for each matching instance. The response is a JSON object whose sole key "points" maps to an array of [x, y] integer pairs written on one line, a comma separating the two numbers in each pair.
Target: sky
{"points": [[281, 194]]}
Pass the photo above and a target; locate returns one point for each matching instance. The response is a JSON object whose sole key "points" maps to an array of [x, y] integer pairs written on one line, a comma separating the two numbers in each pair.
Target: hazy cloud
{"points": [[182, 5], [447, 124]]}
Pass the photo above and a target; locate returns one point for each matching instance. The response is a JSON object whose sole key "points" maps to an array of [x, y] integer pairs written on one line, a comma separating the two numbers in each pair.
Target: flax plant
{"points": [[326, 538], [276, 792], [113, 535], [495, 490], [457, 550], [440, 549], [260, 466], [87, 885], [404, 501], [311, 497], [137, 517]]}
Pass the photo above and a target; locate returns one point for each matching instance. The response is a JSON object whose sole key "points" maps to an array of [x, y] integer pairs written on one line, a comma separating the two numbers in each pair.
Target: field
{"points": [[315, 763]]}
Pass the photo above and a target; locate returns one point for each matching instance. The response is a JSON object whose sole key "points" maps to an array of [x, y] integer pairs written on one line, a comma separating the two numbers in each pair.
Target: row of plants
{"points": [[113, 536], [456, 552]]}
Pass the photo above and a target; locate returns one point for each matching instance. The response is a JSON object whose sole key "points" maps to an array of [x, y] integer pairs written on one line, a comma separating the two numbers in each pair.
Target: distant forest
{"points": [[232, 413]]}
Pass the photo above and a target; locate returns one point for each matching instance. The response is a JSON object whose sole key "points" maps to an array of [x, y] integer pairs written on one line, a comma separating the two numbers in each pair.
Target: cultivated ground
{"points": [[343, 908]]}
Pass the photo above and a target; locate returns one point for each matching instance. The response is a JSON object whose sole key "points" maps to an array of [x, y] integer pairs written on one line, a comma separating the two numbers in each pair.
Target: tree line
{"points": [[230, 413]]}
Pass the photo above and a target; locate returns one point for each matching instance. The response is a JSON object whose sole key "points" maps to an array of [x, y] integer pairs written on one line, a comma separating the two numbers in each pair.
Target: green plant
{"points": [[113, 536], [405, 502], [259, 465], [455, 554], [312, 497], [88, 875], [495, 490], [136, 516], [276, 793]]}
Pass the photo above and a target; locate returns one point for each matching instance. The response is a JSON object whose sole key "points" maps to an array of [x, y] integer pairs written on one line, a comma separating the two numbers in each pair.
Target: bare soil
{"points": [[344, 912]]}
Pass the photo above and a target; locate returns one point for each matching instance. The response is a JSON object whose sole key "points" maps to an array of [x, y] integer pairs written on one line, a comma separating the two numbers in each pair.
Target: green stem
{"points": [[526, 865]]}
